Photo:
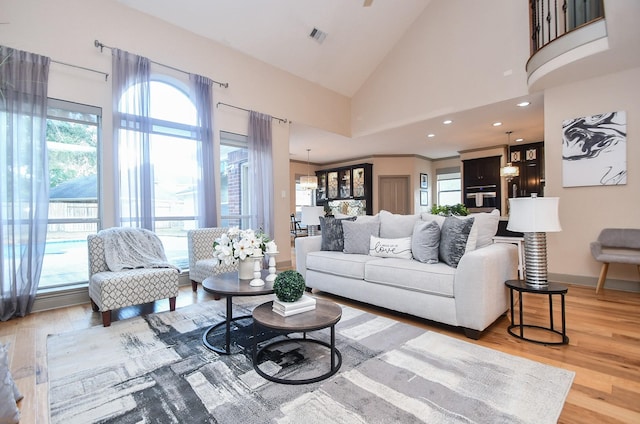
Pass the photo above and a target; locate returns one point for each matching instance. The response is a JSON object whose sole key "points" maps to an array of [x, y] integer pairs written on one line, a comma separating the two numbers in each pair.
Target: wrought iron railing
{"points": [[551, 19]]}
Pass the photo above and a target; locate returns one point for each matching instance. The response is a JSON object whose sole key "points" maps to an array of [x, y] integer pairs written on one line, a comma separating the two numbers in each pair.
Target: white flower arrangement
{"points": [[237, 245]]}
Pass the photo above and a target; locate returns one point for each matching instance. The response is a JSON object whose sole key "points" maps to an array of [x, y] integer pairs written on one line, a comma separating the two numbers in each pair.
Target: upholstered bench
{"points": [[616, 245]]}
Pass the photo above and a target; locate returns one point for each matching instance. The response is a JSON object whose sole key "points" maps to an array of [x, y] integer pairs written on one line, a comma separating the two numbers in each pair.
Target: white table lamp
{"points": [[534, 216], [311, 218]]}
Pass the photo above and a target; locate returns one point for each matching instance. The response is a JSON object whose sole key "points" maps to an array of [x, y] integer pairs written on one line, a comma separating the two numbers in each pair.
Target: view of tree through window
{"points": [[72, 147]]}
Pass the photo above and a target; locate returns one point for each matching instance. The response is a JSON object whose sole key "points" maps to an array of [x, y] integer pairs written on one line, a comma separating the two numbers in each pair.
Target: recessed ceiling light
{"points": [[523, 104], [518, 140], [431, 135], [497, 124], [447, 122]]}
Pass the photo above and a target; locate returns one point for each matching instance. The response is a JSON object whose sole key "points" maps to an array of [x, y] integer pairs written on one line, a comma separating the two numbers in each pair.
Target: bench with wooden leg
{"points": [[616, 245]]}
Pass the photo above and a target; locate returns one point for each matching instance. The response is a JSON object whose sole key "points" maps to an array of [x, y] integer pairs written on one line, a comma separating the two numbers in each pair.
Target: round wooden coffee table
{"points": [[325, 315], [228, 284]]}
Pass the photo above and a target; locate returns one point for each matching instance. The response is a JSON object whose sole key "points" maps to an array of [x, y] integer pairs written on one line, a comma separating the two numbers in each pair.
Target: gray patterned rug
{"points": [[155, 369]]}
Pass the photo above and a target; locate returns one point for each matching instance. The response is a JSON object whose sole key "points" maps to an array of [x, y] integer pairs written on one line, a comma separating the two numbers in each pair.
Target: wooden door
{"points": [[394, 195]]}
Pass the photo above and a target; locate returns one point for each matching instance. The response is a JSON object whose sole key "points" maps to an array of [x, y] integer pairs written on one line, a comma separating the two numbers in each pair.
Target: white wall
{"points": [[66, 29], [584, 211], [457, 55]]}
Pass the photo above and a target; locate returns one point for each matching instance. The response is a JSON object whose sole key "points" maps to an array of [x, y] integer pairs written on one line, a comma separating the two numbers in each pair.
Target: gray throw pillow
{"points": [[332, 235], [425, 242], [453, 239], [358, 234]]}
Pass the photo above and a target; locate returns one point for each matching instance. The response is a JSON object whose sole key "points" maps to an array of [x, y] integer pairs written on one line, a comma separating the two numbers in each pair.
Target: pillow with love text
{"points": [[390, 248]]}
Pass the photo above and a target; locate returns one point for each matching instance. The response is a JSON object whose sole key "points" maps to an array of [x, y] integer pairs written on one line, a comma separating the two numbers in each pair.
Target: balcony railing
{"points": [[551, 19]]}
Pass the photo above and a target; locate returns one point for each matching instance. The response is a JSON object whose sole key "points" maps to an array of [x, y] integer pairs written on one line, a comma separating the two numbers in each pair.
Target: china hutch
{"points": [[346, 190]]}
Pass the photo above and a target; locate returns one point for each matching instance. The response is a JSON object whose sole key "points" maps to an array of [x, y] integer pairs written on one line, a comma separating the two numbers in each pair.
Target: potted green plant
{"points": [[289, 286], [458, 210]]}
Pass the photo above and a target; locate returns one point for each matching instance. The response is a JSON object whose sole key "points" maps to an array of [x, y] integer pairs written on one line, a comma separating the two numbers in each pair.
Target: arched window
{"points": [[169, 162]]}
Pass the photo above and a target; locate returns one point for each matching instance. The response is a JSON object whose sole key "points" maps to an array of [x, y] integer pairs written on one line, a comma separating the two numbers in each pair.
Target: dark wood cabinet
{"points": [[338, 186], [482, 179], [529, 158]]}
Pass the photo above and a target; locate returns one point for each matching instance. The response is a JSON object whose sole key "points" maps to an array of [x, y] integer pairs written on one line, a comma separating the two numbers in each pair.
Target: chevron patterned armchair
{"points": [[202, 264], [111, 290]]}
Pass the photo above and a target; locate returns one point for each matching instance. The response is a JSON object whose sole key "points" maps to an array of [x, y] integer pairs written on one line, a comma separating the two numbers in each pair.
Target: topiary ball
{"points": [[289, 286]]}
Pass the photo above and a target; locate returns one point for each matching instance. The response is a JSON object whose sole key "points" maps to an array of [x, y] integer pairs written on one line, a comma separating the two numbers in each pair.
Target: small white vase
{"points": [[245, 269]]}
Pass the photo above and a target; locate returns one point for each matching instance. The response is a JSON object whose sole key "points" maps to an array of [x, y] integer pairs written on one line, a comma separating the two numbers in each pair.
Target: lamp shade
{"points": [[309, 182], [311, 215], [534, 214], [509, 171]]}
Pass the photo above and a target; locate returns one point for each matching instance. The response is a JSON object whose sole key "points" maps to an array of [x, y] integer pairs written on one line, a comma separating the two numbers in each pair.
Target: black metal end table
{"points": [[550, 289]]}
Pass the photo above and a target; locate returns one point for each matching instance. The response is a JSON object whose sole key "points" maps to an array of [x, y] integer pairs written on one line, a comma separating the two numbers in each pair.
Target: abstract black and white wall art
{"points": [[594, 150]]}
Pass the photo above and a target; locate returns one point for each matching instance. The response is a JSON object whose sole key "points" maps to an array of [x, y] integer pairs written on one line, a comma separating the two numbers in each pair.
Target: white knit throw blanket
{"points": [[128, 248]]}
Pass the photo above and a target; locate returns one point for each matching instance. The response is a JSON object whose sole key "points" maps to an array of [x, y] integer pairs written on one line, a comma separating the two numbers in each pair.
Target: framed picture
{"points": [[424, 197], [594, 150], [424, 181]]}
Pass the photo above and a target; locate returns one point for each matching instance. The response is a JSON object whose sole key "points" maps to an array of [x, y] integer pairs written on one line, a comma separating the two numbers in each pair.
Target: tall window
{"points": [[449, 186], [235, 201], [73, 146], [173, 155]]}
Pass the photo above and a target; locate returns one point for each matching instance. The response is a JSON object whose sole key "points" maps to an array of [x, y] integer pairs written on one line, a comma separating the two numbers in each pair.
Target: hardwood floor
{"points": [[604, 348]]}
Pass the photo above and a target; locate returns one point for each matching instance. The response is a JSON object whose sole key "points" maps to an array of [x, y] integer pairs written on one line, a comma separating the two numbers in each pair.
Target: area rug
{"points": [[155, 369]]}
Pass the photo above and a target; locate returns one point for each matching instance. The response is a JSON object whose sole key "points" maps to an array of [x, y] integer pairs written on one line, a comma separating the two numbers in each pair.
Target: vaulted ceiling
{"points": [[359, 34]]}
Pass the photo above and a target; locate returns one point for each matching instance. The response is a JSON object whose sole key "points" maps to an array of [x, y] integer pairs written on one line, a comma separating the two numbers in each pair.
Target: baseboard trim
{"points": [[610, 283]]}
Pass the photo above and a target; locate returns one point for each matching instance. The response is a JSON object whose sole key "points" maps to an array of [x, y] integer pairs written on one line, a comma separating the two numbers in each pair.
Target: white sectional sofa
{"points": [[471, 296]]}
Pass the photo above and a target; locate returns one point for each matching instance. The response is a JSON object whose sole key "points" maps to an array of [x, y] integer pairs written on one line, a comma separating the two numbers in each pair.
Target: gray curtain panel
{"points": [[207, 207], [261, 166], [131, 127], [24, 185]]}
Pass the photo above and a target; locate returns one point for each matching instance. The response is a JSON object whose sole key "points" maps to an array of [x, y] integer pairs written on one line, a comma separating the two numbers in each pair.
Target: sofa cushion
{"points": [[485, 226], [390, 248], [425, 242], [411, 275], [429, 217], [357, 235], [395, 225], [332, 235], [368, 218], [337, 263], [453, 239]]}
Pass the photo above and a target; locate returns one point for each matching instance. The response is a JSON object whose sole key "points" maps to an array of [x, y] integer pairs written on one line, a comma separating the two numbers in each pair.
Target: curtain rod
{"points": [[106, 75], [283, 120], [101, 46]]}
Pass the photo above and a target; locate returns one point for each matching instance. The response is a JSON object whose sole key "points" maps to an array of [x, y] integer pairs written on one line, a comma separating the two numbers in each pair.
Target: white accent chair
{"points": [[202, 264], [110, 290]]}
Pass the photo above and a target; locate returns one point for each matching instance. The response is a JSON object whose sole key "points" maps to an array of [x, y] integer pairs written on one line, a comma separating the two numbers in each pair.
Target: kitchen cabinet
{"points": [[346, 188], [482, 183], [529, 158]]}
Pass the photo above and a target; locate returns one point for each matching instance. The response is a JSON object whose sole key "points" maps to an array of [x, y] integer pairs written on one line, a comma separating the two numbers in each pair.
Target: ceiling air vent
{"points": [[318, 35]]}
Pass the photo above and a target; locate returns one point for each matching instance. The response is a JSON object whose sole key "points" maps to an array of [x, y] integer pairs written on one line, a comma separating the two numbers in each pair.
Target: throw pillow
{"points": [[429, 217], [453, 239], [485, 226], [357, 235], [332, 235], [395, 225], [425, 242], [390, 248], [9, 394], [368, 218]]}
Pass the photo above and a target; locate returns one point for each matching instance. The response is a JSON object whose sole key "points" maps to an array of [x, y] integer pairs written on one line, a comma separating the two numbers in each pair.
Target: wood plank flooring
{"points": [[604, 348]]}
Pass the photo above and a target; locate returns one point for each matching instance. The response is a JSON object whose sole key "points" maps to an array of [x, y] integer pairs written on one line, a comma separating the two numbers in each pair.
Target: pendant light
{"points": [[509, 171], [310, 182]]}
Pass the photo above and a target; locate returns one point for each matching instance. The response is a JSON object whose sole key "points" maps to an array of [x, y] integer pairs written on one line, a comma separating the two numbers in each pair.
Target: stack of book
{"points": [[304, 304]]}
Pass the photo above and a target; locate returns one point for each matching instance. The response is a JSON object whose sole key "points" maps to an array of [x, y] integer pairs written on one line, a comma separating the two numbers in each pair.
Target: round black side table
{"points": [[550, 289]]}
